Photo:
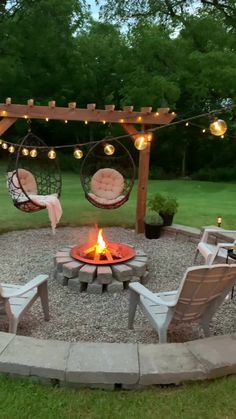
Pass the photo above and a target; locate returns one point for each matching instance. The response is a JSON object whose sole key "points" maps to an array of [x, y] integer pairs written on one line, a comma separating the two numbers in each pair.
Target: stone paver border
{"points": [[116, 365], [120, 365]]}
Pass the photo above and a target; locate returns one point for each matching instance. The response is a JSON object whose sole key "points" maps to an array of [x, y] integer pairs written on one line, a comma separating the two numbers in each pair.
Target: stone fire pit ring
{"points": [[97, 279]]}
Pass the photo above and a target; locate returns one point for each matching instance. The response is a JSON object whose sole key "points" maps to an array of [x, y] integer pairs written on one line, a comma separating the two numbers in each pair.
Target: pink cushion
{"points": [[107, 184], [27, 181], [104, 201]]}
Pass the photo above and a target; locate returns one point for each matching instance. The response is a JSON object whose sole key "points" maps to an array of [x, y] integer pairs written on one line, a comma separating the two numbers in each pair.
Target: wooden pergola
{"points": [[126, 117]]}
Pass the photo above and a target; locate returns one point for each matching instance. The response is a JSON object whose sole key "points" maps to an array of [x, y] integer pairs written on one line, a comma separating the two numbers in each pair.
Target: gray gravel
{"points": [[88, 317]]}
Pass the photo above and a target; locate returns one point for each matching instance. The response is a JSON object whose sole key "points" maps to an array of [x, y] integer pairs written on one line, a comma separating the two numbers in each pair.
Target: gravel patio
{"points": [[90, 317]]}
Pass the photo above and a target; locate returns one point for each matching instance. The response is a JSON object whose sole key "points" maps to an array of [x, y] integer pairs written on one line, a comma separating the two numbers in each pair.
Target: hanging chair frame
{"points": [[86, 175], [45, 182]]}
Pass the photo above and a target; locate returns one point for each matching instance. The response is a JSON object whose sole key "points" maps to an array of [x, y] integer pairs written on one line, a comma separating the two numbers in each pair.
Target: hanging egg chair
{"points": [[30, 172], [107, 179]]}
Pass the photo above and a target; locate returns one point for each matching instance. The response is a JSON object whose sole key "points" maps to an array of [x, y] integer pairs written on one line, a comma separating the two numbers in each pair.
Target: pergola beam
{"points": [[91, 114], [6, 123]]}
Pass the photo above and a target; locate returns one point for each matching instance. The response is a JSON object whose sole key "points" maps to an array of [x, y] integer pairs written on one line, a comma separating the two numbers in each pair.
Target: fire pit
{"points": [[102, 252], [99, 265]]}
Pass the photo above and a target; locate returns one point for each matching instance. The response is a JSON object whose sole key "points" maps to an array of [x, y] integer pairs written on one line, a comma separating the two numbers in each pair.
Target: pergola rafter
{"points": [[126, 117]]}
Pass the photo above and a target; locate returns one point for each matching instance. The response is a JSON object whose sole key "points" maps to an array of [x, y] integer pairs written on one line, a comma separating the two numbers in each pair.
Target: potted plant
{"points": [[153, 224], [166, 206]]}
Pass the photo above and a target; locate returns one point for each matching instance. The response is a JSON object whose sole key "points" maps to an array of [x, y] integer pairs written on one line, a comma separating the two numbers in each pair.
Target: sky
{"points": [[94, 9]]}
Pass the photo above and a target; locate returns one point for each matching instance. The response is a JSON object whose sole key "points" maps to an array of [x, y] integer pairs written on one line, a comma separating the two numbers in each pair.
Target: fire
{"points": [[100, 246]]}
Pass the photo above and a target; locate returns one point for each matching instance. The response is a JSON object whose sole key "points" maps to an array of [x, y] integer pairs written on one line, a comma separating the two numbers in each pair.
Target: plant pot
{"points": [[152, 231], [167, 219]]}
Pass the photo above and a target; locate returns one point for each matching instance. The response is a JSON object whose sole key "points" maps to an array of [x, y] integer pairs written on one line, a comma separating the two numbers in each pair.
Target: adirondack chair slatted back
{"points": [[200, 288]]}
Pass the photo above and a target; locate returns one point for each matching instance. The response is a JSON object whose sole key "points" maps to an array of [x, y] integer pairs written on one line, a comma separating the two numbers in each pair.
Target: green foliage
{"points": [[153, 218], [163, 204]]}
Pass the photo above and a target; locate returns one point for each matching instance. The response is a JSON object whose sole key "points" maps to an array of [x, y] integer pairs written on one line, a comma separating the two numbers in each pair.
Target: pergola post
{"points": [[143, 173], [144, 159]]}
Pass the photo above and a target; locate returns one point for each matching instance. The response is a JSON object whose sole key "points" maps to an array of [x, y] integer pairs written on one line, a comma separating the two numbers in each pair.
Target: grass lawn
{"points": [[25, 400], [199, 205]]}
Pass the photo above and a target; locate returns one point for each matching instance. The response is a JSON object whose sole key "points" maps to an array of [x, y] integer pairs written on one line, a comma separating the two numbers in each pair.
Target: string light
{"points": [[33, 152], [218, 127], [52, 154], [104, 122], [141, 142], [11, 149], [109, 149], [1, 141], [86, 122], [149, 137], [46, 119], [4, 146], [78, 154], [222, 136], [187, 124], [25, 151], [157, 114], [66, 122], [139, 118], [204, 130], [25, 116]]}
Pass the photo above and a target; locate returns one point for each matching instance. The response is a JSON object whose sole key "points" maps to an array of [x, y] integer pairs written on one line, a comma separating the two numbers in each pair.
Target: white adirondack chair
{"points": [[201, 291], [211, 251], [15, 300]]}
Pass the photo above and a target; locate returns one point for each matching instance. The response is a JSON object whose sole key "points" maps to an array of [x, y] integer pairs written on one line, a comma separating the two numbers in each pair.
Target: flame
{"points": [[100, 246]]}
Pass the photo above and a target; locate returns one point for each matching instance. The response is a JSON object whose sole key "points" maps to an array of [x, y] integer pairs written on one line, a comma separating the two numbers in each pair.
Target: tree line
{"points": [[175, 54]]}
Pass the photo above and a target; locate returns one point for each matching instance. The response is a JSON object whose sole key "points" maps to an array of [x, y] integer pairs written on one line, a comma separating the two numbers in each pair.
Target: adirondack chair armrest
{"points": [[38, 280], [141, 290]]}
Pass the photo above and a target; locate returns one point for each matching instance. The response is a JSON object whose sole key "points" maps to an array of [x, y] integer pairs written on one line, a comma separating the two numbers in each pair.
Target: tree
{"points": [[166, 11]]}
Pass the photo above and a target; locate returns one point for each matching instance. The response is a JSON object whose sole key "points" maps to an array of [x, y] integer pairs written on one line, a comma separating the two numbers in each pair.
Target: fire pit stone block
{"points": [[71, 269], [87, 273], [104, 275], [122, 272], [59, 262], [138, 268]]}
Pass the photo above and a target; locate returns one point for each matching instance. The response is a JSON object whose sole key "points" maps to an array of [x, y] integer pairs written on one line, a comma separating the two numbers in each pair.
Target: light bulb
{"points": [[109, 149], [46, 119], [25, 151], [78, 154], [141, 143], [33, 152], [11, 149], [1, 141], [86, 122], [5, 146], [52, 154], [187, 124], [66, 122], [218, 127], [149, 137]]}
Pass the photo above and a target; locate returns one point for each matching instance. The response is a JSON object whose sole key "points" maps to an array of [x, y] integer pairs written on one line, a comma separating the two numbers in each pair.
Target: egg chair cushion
{"points": [[104, 201], [107, 184], [28, 185], [27, 181]]}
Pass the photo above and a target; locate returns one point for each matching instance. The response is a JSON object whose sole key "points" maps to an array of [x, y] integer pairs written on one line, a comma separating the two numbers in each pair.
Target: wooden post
{"points": [[6, 123], [143, 174]]}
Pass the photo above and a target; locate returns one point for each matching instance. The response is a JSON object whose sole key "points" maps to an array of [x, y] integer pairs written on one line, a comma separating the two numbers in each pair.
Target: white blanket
{"points": [[52, 203]]}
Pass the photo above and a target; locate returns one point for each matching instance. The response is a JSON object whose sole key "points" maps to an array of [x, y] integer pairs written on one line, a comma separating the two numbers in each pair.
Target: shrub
{"points": [[153, 218]]}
